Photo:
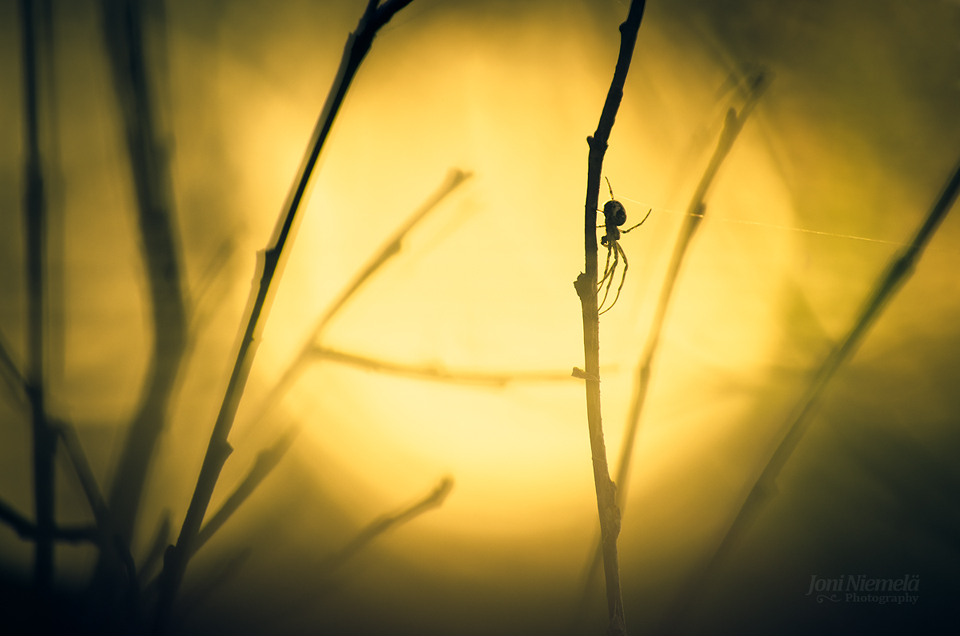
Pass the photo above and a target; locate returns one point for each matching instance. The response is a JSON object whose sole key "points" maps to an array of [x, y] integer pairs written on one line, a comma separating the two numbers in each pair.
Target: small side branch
{"points": [[434, 372], [586, 286], [109, 538], [20, 524], [390, 248], [269, 265], [11, 374], [389, 521], [26, 529], [266, 461]]}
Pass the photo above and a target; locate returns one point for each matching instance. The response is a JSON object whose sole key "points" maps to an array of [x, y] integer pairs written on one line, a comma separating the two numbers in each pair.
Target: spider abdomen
{"points": [[613, 211]]}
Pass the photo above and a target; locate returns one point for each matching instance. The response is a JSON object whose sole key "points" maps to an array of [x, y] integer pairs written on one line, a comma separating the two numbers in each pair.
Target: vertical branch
{"points": [[44, 438], [586, 286], [124, 33], [696, 211], [270, 263]]}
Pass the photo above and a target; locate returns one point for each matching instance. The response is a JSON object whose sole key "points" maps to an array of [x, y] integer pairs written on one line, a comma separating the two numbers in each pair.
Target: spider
{"points": [[614, 215]]}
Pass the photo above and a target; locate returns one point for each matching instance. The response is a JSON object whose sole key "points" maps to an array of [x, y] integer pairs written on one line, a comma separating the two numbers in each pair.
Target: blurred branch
{"points": [[124, 31], [10, 372], [160, 541], [434, 372], [109, 538], [222, 572], [390, 248], [696, 211], [386, 522], [34, 210], [23, 526], [764, 488], [26, 529], [266, 461], [270, 263], [586, 286]]}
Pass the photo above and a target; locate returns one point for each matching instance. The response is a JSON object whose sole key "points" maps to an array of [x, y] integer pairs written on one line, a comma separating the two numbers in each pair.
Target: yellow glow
{"points": [[483, 285]]}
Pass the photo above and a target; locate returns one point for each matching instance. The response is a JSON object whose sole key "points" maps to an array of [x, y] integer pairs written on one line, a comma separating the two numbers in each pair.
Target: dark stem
{"points": [[764, 488], [269, 263], [44, 440], [586, 286], [696, 212]]}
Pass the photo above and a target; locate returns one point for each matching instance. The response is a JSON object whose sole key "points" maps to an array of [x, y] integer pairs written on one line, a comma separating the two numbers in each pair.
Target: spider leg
{"points": [[638, 224], [606, 268], [623, 278], [610, 187], [617, 250]]}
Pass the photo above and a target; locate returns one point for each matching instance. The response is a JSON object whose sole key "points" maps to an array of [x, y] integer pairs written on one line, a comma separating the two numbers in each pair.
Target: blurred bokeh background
{"points": [[834, 171]]}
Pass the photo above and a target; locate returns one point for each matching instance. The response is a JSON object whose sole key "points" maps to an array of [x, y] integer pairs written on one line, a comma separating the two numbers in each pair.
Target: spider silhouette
{"points": [[614, 215]]}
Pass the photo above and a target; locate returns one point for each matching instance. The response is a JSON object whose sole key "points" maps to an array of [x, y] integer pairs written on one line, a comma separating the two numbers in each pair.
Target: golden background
{"points": [[832, 173]]}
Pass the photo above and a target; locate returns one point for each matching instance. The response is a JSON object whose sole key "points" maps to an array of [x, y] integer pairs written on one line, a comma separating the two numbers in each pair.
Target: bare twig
{"points": [[388, 521], [124, 34], [764, 487], [586, 286], [390, 248], [266, 461], [696, 212], [269, 264], [435, 372]]}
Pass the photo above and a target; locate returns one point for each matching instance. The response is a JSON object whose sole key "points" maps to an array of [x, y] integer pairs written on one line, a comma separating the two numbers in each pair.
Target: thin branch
{"points": [[764, 487], [110, 539], [390, 248], [88, 481], [21, 525], [266, 461], [387, 522], [696, 211], [157, 546], [34, 210], [270, 263], [586, 286], [124, 32], [435, 372]]}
